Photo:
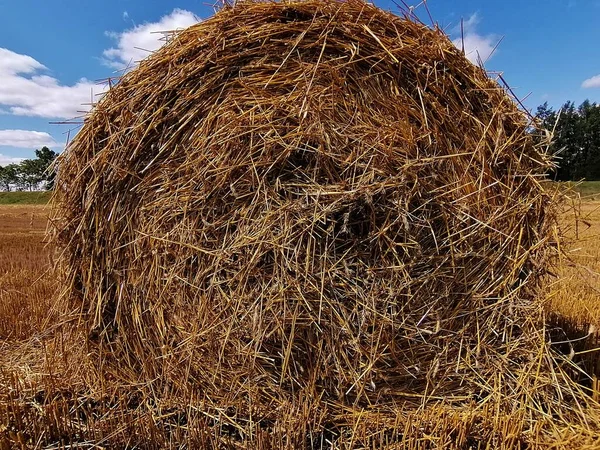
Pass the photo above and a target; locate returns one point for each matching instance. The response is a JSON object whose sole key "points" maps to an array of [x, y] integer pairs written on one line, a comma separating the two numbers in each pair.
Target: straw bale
{"points": [[298, 215]]}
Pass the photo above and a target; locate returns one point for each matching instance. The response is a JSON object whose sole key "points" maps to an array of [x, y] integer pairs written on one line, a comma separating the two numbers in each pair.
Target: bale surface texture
{"points": [[295, 210]]}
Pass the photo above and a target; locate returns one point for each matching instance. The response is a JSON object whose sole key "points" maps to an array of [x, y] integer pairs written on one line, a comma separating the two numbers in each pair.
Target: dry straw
{"points": [[314, 225]]}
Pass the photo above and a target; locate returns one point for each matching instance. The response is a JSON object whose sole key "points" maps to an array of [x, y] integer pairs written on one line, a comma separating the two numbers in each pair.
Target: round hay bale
{"points": [[307, 203]]}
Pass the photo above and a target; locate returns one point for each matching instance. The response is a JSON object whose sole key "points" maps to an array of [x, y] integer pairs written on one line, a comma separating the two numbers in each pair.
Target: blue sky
{"points": [[51, 53]]}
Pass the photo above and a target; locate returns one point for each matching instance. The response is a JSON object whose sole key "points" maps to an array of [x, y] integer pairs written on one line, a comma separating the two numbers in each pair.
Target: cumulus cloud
{"points": [[477, 46], [6, 160], [593, 82], [137, 43], [25, 139], [26, 89]]}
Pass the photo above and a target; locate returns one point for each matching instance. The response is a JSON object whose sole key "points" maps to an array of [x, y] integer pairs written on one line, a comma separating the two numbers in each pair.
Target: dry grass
{"points": [[26, 287], [577, 294]]}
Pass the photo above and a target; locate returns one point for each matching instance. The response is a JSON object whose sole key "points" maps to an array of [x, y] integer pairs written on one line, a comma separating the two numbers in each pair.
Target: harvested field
{"points": [[26, 288], [578, 291]]}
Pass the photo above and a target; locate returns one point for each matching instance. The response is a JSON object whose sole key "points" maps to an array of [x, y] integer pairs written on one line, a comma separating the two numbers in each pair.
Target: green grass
{"points": [[587, 188], [24, 198]]}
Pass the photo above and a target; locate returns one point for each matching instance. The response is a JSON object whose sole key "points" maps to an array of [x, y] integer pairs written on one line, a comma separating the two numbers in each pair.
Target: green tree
{"points": [[30, 173], [576, 142], [589, 135], [566, 143], [547, 116], [546, 120], [45, 158], [9, 176]]}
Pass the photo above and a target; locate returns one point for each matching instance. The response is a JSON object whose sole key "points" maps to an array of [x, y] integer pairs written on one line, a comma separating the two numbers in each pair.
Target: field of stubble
{"points": [[575, 295], [26, 286]]}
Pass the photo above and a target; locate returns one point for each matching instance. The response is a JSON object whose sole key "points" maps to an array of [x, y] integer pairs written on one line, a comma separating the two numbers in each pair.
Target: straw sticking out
{"points": [[309, 217]]}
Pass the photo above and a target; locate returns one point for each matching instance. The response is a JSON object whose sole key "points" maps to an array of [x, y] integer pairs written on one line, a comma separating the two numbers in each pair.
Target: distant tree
{"points": [[9, 176], [4, 186], [30, 174], [565, 144], [589, 135], [546, 118], [576, 140], [546, 115], [45, 158]]}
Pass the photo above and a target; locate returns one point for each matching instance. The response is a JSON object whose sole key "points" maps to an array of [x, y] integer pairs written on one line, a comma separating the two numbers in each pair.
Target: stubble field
{"points": [[26, 286], [575, 294]]}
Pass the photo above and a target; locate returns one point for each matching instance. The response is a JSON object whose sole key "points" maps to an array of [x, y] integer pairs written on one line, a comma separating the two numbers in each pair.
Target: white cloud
{"points": [[593, 82], [477, 46], [26, 91], [26, 139], [26, 88], [471, 23], [6, 160], [137, 43]]}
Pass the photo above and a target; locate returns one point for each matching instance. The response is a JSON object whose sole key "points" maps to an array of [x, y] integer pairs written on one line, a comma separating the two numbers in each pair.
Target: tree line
{"points": [[29, 174], [576, 142]]}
